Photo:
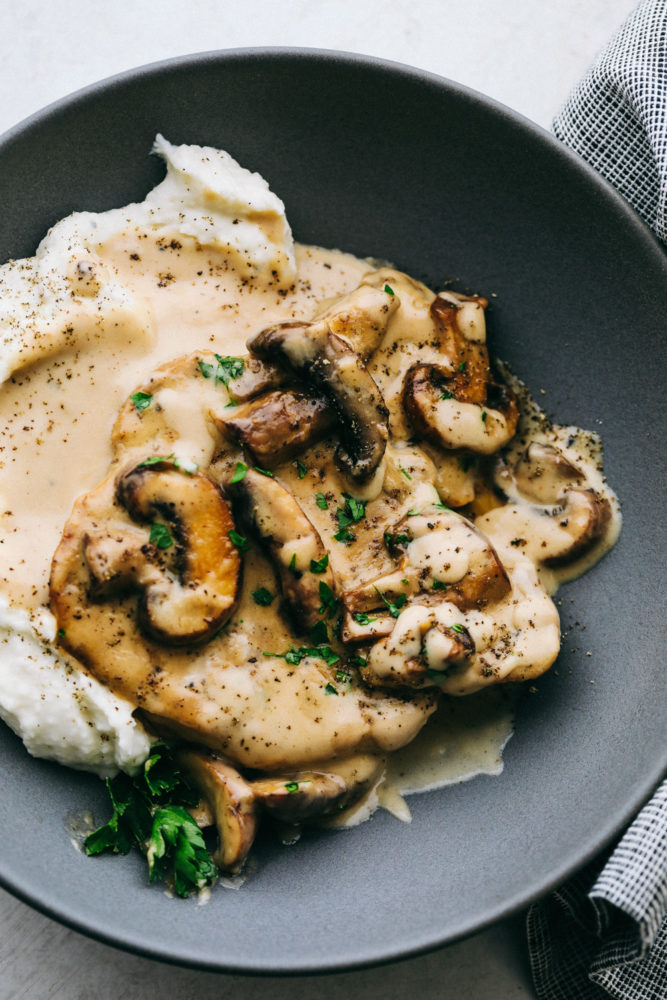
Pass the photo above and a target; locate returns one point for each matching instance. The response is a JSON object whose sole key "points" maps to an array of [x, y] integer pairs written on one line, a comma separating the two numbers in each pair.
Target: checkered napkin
{"points": [[604, 933], [616, 118]]}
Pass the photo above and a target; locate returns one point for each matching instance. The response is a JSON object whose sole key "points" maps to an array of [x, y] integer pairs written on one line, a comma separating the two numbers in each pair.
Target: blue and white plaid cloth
{"points": [[604, 933]]}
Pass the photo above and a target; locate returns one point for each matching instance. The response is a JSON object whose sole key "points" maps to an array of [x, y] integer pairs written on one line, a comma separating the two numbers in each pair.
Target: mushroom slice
{"points": [[278, 425], [327, 788], [420, 652], [256, 378], [361, 317], [441, 412], [232, 803], [192, 605], [330, 365], [443, 558], [541, 474], [275, 517], [555, 518]]}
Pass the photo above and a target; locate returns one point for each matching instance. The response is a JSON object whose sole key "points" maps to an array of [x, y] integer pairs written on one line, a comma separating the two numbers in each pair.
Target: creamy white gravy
{"points": [[178, 294]]}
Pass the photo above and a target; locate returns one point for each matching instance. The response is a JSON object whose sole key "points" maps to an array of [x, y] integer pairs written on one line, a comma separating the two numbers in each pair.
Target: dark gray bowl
{"points": [[383, 160]]}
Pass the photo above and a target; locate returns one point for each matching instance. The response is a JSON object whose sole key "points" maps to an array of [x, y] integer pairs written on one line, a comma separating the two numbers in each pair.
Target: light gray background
{"points": [[527, 54]]}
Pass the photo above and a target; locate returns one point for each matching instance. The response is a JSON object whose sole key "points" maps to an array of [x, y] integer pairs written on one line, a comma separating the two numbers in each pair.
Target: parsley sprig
{"points": [[351, 512], [149, 813]]}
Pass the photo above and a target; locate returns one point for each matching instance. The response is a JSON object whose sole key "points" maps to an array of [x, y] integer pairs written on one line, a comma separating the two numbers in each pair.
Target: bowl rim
{"points": [[575, 859]]}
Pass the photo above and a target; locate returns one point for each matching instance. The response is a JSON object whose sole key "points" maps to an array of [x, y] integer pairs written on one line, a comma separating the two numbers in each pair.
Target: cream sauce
{"points": [[57, 414]]}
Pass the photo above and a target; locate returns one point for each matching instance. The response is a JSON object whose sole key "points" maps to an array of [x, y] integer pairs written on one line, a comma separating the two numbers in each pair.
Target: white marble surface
{"points": [[525, 53]]}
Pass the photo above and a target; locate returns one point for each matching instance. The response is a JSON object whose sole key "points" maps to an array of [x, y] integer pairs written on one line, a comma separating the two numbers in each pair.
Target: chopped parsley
{"points": [[292, 786], [160, 536], [301, 468], [239, 472], [292, 563], [321, 501], [484, 416], [240, 541], [226, 370], [351, 512], [447, 395], [361, 618], [394, 607], [391, 540], [463, 366], [155, 460], [61, 633], [439, 585], [263, 597], [358, 661], [389, 290], [328, 599], [330, 689], [319, 565], [319, 634], [141, 400], [294, 656]]}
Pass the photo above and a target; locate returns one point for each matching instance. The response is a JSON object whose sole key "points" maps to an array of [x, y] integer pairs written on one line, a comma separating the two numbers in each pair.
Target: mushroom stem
{"points": [[275, 517]]}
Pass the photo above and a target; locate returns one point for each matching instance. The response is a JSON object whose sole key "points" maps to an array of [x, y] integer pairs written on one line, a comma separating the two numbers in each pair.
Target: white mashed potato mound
{"points": [[58, 711]]}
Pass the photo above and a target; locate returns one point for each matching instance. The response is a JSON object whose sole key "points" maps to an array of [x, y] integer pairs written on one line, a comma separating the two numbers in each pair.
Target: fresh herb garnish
{"points": [[330, 689], [439, 585], [351, 512], [149, 813], [239, 472], [176, 847], [447, 395], [405, 473], [160, 536], [155, 460], [361, 618], [442, 506], [319, 565], [225, 371], [141, 400], [462, 366], [457, 628], [294, 656], [391, 540], [358, 661], [414, 513], [321, 501], [343, 677], [319, 634], [328, 599], [292, 786], [389, 290], [394, 607], [263, 472], [61, 633], [301, 469], [240, 541], [263, 597], [484, 416], [292, 563]]}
